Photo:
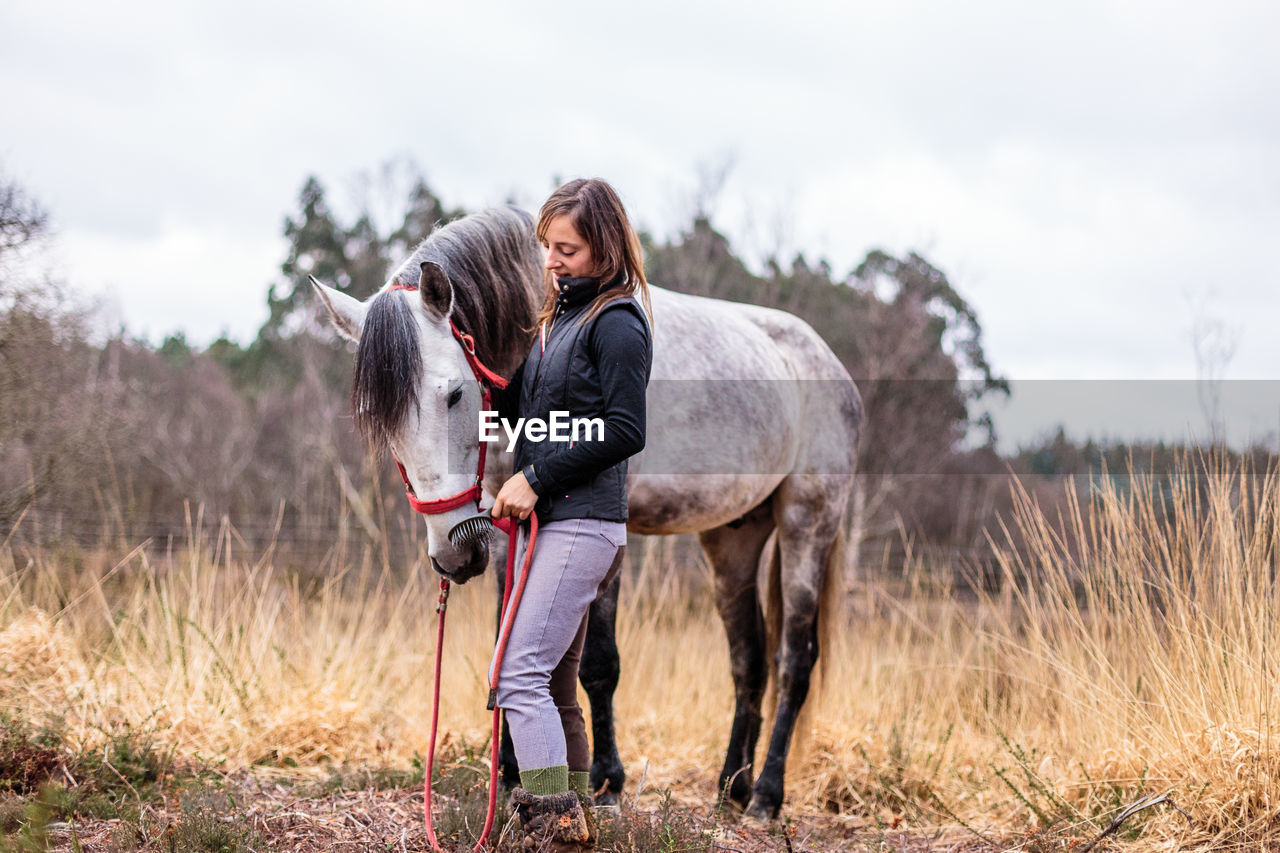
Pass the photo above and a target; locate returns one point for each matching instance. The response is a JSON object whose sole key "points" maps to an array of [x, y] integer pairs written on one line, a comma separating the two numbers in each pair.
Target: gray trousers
{"points": [[571, 562]]}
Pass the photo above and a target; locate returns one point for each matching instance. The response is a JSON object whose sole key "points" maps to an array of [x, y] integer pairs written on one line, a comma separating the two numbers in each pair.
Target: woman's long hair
{"points": [[596, 213]]}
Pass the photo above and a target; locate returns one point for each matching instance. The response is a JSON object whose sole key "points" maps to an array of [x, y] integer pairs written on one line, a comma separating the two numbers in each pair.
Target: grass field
{"points": [[1129, 650]]}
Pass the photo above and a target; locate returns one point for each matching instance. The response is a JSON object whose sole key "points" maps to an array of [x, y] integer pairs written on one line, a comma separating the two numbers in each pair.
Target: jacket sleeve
{"points": [[620, 345]]}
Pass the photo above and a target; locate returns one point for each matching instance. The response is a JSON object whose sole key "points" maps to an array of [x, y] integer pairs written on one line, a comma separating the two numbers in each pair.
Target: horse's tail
{"points": [[772, 615], [772, 557], [829, 598]]}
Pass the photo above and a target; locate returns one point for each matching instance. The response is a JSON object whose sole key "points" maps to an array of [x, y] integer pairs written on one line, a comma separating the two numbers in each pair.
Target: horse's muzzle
{"points": [[476, 562]]}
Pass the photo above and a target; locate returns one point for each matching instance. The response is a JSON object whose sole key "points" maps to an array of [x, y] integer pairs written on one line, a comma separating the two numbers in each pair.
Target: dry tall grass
{"points": [[1129, 650]]}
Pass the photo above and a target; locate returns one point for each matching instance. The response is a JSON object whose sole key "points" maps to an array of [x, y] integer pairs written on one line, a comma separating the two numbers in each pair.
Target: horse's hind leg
{"points": [[734, 553], [809, 519]]}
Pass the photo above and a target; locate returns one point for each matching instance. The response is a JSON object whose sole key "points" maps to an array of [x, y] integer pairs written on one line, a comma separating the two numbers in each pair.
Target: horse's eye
{"points": [[454, 396]]}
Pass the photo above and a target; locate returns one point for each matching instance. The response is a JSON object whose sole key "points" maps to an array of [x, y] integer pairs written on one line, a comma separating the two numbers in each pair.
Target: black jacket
{"points": [[594, 369]]}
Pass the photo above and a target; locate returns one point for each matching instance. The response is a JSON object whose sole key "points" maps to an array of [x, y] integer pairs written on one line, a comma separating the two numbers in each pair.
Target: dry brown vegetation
{"points": [[1128, 650]]}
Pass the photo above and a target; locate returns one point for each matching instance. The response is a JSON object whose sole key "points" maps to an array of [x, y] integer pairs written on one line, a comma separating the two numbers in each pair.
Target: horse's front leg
{"points": [[599, 673], [507, 758]]}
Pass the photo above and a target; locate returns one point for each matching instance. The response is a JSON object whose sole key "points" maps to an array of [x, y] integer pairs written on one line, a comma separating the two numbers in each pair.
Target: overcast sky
{"points": [[1094, 176]]}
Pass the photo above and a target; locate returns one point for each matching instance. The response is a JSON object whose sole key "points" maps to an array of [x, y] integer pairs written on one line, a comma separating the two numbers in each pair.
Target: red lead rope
{"points": [[510, 605], [441, 604]]}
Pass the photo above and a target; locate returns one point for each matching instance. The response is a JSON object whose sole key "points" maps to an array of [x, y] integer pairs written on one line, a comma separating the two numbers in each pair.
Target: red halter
{"points": [[486, 378]]}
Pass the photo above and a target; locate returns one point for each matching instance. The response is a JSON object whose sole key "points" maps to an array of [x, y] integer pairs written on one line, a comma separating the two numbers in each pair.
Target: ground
{"points": [[256, 812]]}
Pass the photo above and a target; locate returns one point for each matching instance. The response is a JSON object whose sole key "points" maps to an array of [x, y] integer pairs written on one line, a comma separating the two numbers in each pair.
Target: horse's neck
{"points": [[516, 341]]}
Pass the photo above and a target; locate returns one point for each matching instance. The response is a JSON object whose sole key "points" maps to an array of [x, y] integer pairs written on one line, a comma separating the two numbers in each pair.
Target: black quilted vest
{"points": [[563, 378]]}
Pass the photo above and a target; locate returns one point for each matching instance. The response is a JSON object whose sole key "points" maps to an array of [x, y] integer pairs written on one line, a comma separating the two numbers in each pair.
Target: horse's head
{"points": [[415, 394]]}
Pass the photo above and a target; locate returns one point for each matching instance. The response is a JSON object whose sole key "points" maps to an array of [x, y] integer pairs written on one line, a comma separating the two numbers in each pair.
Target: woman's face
{"points": [[567, 252]]}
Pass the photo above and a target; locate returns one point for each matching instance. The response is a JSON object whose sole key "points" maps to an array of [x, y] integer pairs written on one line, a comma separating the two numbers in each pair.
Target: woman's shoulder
{"points": [[621, 317], [624, 306]]}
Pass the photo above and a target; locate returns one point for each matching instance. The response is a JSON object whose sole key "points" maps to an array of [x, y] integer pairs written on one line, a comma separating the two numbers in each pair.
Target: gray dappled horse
{"points": [[751, 441]]}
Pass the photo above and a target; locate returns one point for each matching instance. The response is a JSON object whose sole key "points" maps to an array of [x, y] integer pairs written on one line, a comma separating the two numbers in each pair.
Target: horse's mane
{"points": [[494, 266]]}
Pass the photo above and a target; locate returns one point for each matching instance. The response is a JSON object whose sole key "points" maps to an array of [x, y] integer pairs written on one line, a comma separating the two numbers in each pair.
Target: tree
{"points": [[23, 221], [317, 246], [55, 393], [1214, 343], [923, 338]]}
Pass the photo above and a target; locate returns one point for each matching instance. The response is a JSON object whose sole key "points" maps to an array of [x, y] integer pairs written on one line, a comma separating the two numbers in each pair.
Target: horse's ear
{"points": [[347, 312], [436, 290]]}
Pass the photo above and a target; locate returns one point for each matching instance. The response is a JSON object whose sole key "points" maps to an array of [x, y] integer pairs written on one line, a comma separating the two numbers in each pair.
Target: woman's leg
{"points": [[564, 692], [570, 560]]}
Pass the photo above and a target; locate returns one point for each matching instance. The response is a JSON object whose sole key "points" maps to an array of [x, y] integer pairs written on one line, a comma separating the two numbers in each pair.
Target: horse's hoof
{"points": [[735, 795], [759, 813], [607, 779]]}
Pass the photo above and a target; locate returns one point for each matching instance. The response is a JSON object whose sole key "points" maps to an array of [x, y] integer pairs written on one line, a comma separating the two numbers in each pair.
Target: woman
{"points": [[591, 357]]}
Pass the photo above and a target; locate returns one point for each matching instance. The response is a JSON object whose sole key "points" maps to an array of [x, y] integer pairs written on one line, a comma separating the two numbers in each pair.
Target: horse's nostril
{"points": [[470, 529]]}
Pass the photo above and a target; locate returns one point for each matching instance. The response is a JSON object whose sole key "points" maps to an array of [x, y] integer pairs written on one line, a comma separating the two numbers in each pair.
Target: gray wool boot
{"points": [[553, 822]]}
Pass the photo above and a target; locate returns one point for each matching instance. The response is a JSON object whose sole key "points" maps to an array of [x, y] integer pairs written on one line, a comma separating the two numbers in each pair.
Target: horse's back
{"points": [[740, 397]]}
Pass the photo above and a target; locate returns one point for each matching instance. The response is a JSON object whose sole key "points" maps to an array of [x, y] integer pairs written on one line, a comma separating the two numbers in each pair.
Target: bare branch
{"points": [[1144, 803]]}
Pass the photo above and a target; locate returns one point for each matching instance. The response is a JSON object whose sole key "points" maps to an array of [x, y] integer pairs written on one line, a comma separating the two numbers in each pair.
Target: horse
{"points": [[753, 425]]}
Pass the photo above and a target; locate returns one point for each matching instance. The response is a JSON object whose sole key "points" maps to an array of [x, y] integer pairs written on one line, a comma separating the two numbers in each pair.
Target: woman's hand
{"points": [[515, 499]]}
